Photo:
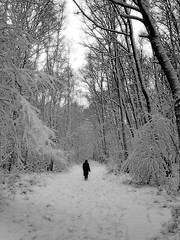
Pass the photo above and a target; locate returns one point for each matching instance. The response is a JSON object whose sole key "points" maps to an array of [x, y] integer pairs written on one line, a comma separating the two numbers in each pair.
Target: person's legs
{"points": [[85, 175]]}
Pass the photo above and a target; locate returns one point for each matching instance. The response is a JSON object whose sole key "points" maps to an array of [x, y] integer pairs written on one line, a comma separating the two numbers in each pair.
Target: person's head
{"points": [[86, 160]]}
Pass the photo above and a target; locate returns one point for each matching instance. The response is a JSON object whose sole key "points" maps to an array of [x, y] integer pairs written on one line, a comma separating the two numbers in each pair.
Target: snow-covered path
{"points": [[65, 206]]}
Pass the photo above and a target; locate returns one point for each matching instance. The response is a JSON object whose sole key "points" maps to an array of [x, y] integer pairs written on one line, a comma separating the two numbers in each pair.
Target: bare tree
{"points": [[129, 89]]}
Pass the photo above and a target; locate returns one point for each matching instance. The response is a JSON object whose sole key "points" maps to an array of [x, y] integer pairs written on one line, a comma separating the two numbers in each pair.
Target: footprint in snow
{"points": [[48, 205], [48, 218]]}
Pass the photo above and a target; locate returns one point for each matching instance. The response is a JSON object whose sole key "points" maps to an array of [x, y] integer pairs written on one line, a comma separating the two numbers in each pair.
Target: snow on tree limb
{"points": [[37, 134]]}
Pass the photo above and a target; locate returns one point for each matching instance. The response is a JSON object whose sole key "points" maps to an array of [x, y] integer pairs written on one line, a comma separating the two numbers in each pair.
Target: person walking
{"points": [[86, 169]]}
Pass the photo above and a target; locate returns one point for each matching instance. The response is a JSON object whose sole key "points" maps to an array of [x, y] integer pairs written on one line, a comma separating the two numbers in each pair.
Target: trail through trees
{"points": [[64, 206]]}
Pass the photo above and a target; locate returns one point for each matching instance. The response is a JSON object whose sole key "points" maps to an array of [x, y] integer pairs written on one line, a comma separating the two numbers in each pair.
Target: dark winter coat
{"points": [[86, 168]]}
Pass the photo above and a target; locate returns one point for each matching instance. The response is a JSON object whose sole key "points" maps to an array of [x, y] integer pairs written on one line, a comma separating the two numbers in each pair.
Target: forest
{"points": [[132, 120]]}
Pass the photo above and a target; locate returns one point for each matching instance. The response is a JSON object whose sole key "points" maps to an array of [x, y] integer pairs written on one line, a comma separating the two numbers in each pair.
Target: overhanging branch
{"points": [[123, 4], [97, 25]]}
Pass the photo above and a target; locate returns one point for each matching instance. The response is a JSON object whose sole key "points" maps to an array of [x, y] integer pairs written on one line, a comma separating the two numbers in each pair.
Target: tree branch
{"points": [[132, 17], [119, 2], [97, 25]]}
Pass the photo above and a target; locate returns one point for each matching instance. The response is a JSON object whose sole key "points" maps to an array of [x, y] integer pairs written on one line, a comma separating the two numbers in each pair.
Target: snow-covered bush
{"points": [[113, 165], [38, 163], [171, 229], [154, 151], [39, 139]]}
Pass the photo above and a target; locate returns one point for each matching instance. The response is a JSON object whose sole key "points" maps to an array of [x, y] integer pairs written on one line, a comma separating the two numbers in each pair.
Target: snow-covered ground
{"points": [[64, 206]]}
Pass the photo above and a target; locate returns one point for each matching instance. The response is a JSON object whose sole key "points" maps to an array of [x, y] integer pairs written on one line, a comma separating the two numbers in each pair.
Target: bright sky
{"points": [[75, 35]]}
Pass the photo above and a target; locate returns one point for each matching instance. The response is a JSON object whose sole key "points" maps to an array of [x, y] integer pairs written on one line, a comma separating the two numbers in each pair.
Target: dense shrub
{"points": [[154, 150]]}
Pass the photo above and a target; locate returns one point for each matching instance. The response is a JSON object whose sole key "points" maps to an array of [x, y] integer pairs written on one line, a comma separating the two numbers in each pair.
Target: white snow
{"points": [[64, 206]]}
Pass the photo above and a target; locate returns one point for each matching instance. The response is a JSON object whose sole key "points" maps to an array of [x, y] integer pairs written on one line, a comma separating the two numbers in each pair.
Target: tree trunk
{"points": [[159, 50], [138, 67], [105, 151], [121, 113], [163, 59]]}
